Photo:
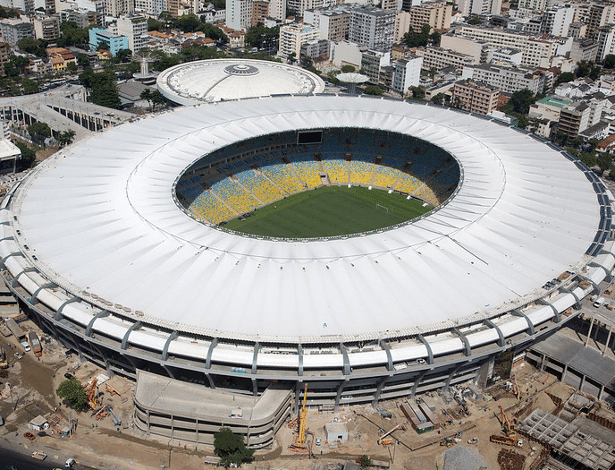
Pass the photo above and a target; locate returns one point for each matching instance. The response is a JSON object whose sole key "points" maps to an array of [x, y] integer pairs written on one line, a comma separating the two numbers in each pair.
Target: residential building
{"points": [[372, 62], [83, 17], [479, 7], [372, 27], [315, 49], [600, 14], [134, 27], [46, 27], [605, 38], [260, 11], [110, 41], [438, 58], [213, 15], [475, 48], [14, 30], [475, 97], [299, 6], [574, 118], [533, 4], [577, 30], [509, 79], [238, 14], [60, 57], [292, 36], [347, 53], [548, 108], [407, 73], [557, 19], [402, 26], [395, 5], [584, 49], [333, 24], [116, 8], [237, 39], [277, 9], [436, 14], [5, 54], [151, 7], [504, 54]]}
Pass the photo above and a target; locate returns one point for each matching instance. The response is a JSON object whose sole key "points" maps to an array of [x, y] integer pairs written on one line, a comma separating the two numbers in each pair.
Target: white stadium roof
{"points": [[231, 79], [99, 220]]}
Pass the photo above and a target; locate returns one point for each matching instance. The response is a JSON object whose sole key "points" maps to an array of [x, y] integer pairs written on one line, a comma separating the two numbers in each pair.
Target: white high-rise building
{"points": [[238, 14], [151, 7], [407, 73], [479, 7], [134, 27], [277, 9], [372, 27], [295, 34], [556, 20]]}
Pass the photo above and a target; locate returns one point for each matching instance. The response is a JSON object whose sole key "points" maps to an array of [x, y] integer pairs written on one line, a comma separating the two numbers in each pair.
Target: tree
{"points": [[348, 69], [188, 23], [565, 78], [38, 47], [583, 68], [83, 60], [123, 55], [520, 102], [307, 62], [39, 131], [231, 448], [373, 90], [604, 161], [292, 58], [29, 86], [609, 61], [66, 137], [73, 394], [474, 20], [417, 93], [154, 25], [102, 86], [259, 36], [28, 156], [365, 461], [71, 67], [72, 35], [438, 99], [19, 62]]}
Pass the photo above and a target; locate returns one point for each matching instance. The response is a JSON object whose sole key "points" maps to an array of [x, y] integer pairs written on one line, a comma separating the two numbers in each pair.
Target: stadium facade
{"points": [[100, 246]]}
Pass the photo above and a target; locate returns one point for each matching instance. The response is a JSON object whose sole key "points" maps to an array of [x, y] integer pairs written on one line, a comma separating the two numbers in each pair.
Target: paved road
{"points": [[22, 462]]}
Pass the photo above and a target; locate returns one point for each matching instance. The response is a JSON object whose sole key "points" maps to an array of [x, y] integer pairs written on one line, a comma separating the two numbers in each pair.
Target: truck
{"points": [[3, 362], [35, 344], [39, 455], [15, 329]]}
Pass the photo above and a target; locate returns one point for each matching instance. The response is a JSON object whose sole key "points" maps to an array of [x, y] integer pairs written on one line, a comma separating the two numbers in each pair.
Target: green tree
{"points": [[609, 61], [102, 86], [584, 68], [438, 99], [72, 35], [474, 20], [259, 36], [188, 23], [83, 60], [604, 161], [19, 62], [348, 69], [520, 102], [38, 47], [418, 93], [29, 86], [565, 77], [39, 131], [28, 156], [307, 62], [154, 25], [123, 55], [231, 448], [292, 58], [373, 90], [8, 13], [66, 137], [414, 39], [73, 394], [365, 461], [71, 67], [589, 158]]}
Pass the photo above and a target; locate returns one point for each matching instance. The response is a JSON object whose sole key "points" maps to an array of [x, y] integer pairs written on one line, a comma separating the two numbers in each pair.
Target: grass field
{"points": [[329, 211]]}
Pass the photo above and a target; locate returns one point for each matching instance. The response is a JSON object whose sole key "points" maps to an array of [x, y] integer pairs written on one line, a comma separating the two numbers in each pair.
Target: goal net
{"points": [[382, 208]]}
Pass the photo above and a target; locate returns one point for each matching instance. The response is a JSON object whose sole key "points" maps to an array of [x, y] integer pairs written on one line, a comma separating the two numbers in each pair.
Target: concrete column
{"points": [[601, 392], [589, 333], [564, 372], [543, 363], [608, 339], [582, 383]]}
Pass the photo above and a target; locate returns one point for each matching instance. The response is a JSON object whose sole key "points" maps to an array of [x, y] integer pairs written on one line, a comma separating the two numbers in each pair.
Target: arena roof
{"points": [[99, 220], [231, 79]]}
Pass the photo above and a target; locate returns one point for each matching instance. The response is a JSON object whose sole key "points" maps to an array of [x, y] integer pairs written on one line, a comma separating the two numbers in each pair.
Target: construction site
{"points": [[526, 419]]}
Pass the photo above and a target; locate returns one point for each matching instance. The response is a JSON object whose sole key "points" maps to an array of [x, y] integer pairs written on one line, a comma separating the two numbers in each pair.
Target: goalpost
{"points": [[378, 206]]}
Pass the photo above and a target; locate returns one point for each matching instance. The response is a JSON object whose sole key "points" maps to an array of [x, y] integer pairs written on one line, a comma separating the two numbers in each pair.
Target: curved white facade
{"points": [[207, 81], [94, 240]]}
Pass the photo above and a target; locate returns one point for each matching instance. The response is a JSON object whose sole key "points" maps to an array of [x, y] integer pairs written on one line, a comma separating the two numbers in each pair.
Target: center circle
{"points": [[328, 183], [241, 69]]}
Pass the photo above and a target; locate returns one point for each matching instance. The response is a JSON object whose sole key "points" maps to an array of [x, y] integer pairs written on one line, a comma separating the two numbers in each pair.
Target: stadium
{"points": [[118, 246], [207, 81]]}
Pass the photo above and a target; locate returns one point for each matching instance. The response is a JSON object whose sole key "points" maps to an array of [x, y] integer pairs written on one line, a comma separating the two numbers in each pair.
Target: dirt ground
{"points": [[101, 444]]}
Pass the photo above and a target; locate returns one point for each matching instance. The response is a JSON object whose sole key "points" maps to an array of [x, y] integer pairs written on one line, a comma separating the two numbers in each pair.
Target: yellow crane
{"points": [[301, 437]]}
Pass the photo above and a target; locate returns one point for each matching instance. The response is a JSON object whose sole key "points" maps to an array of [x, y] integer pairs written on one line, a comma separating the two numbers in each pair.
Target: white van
{"points": [[599, 302]]}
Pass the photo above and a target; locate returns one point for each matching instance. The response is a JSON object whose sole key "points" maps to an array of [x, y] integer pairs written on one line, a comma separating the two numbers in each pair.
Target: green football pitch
{"points": [[329, 211]]}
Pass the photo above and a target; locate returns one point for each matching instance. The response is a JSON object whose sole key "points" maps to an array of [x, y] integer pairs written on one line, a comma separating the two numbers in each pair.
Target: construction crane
{"points": [[90, 393], [301, 437], [510, 436], [382, 439]]}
